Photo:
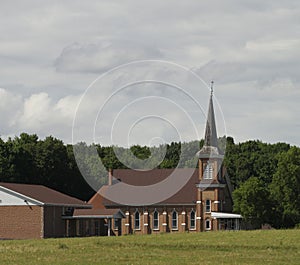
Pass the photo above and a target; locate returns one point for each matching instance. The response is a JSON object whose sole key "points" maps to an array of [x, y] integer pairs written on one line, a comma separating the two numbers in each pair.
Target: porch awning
{"points": [[96, 213], [219, 215]]}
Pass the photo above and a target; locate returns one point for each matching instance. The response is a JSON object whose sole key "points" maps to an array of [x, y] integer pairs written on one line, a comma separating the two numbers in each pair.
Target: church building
{"points": [[204, 203]]}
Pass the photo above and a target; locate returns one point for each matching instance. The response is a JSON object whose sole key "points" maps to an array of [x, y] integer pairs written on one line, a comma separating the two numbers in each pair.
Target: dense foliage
{"points": [[266, 177]]}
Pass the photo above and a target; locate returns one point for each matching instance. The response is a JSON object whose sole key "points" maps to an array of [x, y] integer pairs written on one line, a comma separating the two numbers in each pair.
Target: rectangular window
{"points": [[67, 211], [116, 223], [207, 206], [208, 171]]}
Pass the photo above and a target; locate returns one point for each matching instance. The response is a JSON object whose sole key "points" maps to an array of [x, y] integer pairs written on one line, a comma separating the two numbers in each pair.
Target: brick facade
{"points": [[164, 220], [20, 222]]}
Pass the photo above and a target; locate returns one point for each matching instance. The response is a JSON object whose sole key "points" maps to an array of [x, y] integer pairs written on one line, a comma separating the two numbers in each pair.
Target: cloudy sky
{"points": [[52, 51]]}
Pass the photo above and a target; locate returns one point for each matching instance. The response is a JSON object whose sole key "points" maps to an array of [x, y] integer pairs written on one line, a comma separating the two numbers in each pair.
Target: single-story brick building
{"points": [[35, 211]]}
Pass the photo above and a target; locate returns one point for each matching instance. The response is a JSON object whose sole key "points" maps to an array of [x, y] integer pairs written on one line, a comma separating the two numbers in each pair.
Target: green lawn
{"points": [[243, 247]]}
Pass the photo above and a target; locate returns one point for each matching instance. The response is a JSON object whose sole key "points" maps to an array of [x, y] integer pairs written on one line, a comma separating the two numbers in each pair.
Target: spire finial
{"points": [[211, 87]]}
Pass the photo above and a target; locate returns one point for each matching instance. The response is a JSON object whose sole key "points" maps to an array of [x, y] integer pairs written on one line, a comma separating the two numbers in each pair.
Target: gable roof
{"points": [[97, 211], [186, 195], [42, 195]]}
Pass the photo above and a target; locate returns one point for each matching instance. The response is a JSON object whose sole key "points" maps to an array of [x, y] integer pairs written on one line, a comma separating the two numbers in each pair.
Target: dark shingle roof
{"points": [[44, 195], [186, 195]]}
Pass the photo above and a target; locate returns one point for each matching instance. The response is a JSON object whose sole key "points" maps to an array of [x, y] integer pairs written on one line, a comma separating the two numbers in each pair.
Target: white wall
{"points": [[7, 199]]}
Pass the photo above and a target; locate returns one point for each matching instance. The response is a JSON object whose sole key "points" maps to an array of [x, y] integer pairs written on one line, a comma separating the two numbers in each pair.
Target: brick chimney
{"points": [[110, 176]]}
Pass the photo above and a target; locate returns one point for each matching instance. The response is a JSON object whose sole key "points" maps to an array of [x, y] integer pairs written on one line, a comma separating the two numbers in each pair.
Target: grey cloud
{"points": [[100, 57], [250, 48]]}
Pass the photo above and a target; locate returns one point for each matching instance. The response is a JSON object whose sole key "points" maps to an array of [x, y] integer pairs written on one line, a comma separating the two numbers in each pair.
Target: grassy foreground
{"points": [[243, 247]]}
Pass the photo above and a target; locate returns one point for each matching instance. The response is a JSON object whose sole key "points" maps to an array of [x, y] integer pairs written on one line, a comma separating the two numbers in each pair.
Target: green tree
{"points": [[52, 163], [141, 152], [22, 154], [285, 188], [251, 201]]}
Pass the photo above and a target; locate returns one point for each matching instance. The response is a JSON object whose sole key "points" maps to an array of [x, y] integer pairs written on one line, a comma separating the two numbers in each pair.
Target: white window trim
{"points": [[193, 228], [139, 227], [208, 171], [209, 206], [157, 228], [208, 220], [173, 228]]}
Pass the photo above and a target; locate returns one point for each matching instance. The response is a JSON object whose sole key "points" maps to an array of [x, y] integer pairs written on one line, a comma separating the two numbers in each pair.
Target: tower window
{"points": [[208, 171], [155, 220], [207, 206], [193, 220], [174, 220], [137, 220], [207, 224]]}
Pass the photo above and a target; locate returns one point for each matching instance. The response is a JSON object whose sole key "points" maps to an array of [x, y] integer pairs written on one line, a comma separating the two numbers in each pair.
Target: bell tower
{"points": [[212, 193]]}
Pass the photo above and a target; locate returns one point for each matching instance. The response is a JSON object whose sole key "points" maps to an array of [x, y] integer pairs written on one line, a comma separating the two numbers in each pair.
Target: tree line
{"points": [[265, 177]]}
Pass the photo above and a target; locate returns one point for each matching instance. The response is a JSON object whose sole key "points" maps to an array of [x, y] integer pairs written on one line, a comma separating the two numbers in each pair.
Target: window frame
{"points": [[174, 220], [193, 227], [208, 206], [208, 171], [207, 221], [155, 227], [117, 223], [137, 220]]}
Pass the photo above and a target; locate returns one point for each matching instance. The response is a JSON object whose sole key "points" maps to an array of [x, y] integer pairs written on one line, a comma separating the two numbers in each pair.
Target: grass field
{"points": [[243, 247]]}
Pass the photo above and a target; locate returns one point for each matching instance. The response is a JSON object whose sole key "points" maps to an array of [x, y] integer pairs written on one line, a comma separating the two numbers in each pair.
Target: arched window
{"points": [[207, 206], [192, 220], [208, 171], [174, 220], [155, 220], [137, 220], [207, 224]]}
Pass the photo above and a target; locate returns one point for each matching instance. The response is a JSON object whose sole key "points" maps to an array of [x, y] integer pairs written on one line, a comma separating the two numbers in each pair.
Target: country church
{"points": [[204, 203]]}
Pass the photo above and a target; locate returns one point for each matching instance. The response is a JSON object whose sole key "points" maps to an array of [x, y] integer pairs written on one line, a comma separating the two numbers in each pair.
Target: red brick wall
{"points": [[20, 222], [165, 220]]}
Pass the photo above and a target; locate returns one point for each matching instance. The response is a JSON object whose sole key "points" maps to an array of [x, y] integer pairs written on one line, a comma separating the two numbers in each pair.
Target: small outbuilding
{"points": [[35, 211]]}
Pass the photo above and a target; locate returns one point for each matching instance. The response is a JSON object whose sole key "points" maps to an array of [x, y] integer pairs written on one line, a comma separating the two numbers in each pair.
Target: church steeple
{"points": [[210, 147], [214, 193], [211, 138]]}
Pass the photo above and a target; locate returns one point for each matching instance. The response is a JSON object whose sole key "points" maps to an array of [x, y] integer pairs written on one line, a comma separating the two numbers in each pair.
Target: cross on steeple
{"points": [[211, 87]]}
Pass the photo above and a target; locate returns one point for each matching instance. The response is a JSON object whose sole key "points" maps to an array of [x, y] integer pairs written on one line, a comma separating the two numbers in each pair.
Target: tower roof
{"points": [[210, 147], [211, 138]]}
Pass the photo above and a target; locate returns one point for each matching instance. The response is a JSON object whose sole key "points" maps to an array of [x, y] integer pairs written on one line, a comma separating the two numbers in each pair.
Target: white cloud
{"points": [[50, 53], [9, 109], [38, 113]]}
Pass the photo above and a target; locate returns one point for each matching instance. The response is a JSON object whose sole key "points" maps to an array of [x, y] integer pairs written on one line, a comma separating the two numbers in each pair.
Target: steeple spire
{"points": [[210, 147], [211, 138]]}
